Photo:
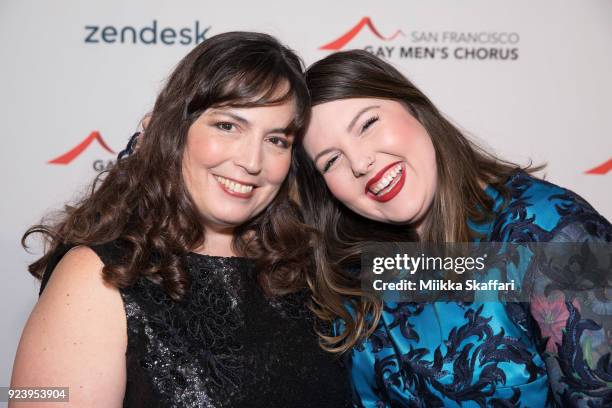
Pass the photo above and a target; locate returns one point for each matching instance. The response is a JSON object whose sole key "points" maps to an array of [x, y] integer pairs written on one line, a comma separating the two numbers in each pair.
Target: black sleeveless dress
{"points": [[224, 345]]}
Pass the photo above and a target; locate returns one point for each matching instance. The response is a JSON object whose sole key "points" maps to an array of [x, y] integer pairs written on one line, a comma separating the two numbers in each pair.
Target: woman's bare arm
{"points": [[76, 336]]}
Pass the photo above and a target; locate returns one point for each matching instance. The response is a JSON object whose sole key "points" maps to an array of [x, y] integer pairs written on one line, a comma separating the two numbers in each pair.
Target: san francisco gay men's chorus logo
{"points": [[76, 151], [473, 45], [602, 169]]}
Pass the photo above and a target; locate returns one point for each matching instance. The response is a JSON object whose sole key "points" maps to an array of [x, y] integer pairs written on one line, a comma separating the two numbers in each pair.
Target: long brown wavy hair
{"points": [[143, 201], [461, 167]]}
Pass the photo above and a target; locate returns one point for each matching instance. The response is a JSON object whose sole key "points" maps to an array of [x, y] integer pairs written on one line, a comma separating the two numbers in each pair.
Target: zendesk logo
{"points": [[150, 34]]}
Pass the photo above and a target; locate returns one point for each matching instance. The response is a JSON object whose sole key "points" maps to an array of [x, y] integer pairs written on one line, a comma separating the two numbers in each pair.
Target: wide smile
{"points": [[235, 188], [387, 183]]}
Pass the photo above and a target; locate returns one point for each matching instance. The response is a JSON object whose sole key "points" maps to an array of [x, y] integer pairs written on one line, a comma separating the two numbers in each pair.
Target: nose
{"points": [[362, 164], [249, 156]]}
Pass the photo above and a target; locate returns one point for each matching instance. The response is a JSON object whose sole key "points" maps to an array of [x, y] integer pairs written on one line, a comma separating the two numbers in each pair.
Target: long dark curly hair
{"points": [[143, 202]]}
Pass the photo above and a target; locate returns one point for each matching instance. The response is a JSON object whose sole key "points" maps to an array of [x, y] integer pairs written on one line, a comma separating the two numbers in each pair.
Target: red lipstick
{"points": [[391, 193]]}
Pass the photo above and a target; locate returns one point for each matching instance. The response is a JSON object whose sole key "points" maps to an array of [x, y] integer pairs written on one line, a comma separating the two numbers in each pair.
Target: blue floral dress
{"points": [[551, 351]]}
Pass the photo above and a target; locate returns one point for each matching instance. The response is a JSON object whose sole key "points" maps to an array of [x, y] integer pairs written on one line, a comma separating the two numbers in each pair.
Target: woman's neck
{"points": [[217, 242], [420, 227], [424, 223]]}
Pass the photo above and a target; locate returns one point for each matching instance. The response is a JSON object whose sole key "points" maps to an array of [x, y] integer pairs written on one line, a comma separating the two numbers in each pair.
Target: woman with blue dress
{"points": [[379, 162]]}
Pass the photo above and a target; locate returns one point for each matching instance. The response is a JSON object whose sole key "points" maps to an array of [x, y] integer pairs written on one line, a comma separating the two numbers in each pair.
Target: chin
{"points": [[231, 220], [236, 221], [402, 215], [398, 220]]}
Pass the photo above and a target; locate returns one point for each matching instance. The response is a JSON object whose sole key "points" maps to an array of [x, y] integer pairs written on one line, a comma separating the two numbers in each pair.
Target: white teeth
{"points": [[387, 179], [234, 186]]}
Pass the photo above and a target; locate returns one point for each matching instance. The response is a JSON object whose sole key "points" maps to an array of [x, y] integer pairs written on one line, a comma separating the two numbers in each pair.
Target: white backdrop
{"points": [[527, 79]]}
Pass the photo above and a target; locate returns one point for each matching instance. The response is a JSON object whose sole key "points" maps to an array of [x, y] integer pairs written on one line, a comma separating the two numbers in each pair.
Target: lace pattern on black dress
{"points": [[224, 345]]}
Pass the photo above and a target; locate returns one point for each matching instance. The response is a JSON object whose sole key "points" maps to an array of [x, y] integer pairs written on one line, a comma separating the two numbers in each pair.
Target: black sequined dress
{"points": [[224, 345]]}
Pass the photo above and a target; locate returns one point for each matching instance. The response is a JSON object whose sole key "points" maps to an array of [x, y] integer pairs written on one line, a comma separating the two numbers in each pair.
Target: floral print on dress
{"points": [[553, 351], [551, 314]]}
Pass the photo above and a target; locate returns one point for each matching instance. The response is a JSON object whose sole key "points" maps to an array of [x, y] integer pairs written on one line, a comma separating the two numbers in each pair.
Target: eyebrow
{"points": [[361, 112], [285, 131]]}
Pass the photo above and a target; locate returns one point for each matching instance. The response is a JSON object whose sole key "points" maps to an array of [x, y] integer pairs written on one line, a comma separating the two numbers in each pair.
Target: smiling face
{"points": [[375, 157], [236, 159]]}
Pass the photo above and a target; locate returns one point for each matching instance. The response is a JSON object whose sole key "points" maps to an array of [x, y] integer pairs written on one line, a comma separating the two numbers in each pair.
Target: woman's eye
{"points": [[279, 141], [369, 123], [226, 126], [329, 163]]}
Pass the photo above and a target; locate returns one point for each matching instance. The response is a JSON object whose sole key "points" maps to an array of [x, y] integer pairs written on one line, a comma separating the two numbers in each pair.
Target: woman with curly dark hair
{"points": [[180, 280]]}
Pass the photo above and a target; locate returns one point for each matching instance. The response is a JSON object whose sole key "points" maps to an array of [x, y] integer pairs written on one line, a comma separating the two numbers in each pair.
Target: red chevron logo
{"points": [[344, 39], [80, 148], [601, 169]]}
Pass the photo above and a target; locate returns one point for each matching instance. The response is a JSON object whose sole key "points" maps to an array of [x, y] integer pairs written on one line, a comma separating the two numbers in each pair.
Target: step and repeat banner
{"points": [[528, 80]]}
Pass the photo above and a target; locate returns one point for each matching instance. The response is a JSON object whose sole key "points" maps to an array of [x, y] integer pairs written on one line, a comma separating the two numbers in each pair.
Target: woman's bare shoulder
{"points": [[76, 335]]}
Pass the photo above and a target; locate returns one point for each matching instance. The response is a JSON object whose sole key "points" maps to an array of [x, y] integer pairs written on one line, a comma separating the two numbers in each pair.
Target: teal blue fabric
{"points": [[499, 354]]}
